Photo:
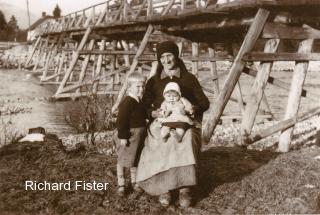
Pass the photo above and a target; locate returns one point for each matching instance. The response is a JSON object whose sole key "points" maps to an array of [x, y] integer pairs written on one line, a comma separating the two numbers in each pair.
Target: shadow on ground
{"points": [[224, 165]]}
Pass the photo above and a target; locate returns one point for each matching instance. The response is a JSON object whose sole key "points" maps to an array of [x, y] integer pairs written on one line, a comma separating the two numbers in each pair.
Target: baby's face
{"points": [[171, 96], [136, 88]]}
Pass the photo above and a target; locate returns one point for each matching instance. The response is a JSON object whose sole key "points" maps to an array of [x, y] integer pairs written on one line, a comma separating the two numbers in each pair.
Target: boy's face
{"points": [[136, 88], [171, 96]]}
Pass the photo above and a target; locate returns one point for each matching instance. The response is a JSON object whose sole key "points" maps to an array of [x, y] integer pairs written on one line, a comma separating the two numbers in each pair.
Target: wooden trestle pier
{"points": [[92, 50]]}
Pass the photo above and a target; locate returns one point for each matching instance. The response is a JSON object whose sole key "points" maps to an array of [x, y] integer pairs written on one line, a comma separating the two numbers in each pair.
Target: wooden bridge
{"points": [[92, 50]]}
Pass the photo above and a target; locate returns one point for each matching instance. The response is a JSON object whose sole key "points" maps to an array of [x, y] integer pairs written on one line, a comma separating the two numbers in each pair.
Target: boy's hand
{"points": [[123, 142]]}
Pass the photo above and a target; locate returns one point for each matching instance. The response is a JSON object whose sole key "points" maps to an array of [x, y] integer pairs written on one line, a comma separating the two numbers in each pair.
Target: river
{"points": [[21, 91]]}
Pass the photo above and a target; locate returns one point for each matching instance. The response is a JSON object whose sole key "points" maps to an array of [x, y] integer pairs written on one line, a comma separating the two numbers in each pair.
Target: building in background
{"points": [[34, 29]]}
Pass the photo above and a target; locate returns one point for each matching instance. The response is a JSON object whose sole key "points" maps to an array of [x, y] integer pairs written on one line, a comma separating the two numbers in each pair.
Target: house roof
{"points": [[38, 22]]}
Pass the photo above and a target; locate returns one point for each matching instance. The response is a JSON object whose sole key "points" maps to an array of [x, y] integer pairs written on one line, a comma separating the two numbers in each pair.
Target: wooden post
{"points": [[239, 97], [125, 10], [99, 63], [48, 62], [39, 55], [93, 15], [183, 5], [126, 57], [234, 74], [149, 9], [257, 89], [33, 50], [74, 60], [299, 75], [213, 71], [84, 18], [85, 65], [237, 88], [133, 66], [63, 55], [195, 64], [103, 14]]}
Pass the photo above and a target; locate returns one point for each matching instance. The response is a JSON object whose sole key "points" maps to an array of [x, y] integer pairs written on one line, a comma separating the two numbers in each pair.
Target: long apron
{"points": [[165, 166]]}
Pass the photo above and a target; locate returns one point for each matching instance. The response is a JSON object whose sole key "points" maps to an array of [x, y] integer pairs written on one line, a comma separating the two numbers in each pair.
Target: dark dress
{"points": [[165, 166]]}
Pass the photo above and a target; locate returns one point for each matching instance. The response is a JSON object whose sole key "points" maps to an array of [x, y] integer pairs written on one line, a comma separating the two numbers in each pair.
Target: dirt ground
{"points": [[232, 181]]}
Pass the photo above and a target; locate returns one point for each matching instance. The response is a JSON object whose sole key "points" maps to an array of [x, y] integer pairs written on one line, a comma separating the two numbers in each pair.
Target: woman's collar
{"points": [[177, 73]]}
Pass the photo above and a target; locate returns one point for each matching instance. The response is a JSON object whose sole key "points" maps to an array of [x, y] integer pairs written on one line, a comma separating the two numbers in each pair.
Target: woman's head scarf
{"points": [[167, 46]]}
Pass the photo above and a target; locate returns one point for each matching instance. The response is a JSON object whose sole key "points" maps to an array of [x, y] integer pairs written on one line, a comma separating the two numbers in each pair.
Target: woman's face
{"points": [[168, 61]]}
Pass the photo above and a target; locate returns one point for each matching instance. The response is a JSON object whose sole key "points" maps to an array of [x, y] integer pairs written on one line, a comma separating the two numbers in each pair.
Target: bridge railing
{"points": [[114, 12]]}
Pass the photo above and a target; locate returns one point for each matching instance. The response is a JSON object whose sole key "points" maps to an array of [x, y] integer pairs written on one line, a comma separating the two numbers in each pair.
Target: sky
{"points": [[67, 6]]}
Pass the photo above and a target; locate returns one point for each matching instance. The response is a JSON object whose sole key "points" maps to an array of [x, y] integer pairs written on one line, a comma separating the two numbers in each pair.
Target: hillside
{"points": [[19, 12]]}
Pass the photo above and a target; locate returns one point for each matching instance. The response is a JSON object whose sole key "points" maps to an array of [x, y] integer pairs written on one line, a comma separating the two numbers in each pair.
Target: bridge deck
{"points": [[181, 16]]}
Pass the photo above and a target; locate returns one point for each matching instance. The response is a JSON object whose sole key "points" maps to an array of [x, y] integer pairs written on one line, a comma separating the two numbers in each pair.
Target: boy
{"points": [[131, 124]]}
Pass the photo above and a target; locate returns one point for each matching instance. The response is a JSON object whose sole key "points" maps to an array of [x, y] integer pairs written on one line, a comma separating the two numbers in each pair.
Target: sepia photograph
{"points": [[167, 107]]}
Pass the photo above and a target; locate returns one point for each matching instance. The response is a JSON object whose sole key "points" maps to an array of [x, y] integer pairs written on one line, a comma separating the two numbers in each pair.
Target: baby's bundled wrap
{"points": [[178, 109]]}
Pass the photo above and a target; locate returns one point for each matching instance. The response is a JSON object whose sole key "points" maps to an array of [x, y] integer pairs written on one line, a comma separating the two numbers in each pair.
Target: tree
{"points": [[56, 12], [3, 27], [3, 21], [12, 28]]}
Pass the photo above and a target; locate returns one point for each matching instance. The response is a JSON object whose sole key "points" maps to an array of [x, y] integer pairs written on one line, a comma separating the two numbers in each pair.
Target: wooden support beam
{"points": [[282, 84], [98, 70], [40, 51], [133, 66], [47, 62], [237, 88], [85, 64], [268, 57], [299, 75], [257, 89], [281, 125], [234, 74], [81, 94], [195, 53], [276, 30], [62, 61], [74, 60], [107, 52], [33, 51], [214, 72]]}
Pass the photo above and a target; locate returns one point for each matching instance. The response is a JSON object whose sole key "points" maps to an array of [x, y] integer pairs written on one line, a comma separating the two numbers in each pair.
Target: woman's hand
{"points": [[157, 113]]}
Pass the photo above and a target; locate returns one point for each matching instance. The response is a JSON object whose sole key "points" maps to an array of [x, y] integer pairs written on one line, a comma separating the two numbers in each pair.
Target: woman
{"points": [[166, 166]]}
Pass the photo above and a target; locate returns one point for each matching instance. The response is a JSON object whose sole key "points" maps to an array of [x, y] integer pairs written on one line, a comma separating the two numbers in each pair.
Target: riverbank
{"points": [[231, 181], [25, 104]]}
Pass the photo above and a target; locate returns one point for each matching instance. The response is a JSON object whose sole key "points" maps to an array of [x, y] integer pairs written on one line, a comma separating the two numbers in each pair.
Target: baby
{"points": [[174, 111]]}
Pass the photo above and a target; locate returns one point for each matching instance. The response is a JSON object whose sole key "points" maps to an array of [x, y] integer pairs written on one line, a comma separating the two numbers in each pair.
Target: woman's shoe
{"points": [[165, 199], [184, 197], [121, 191]]}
